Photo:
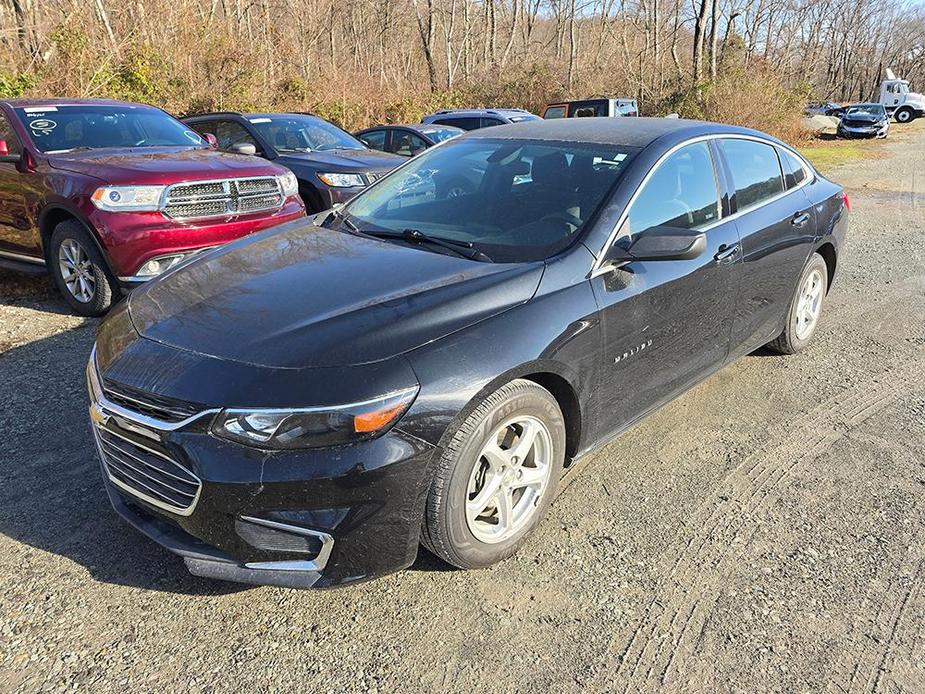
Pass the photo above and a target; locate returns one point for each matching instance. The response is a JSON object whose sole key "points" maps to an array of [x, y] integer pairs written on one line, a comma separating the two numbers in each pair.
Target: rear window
{"points": [[794, 171], [462, 122], [756, 172]]}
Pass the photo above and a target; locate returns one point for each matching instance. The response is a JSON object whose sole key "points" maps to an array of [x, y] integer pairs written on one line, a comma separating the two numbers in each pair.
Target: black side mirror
{"points": [[243, 148], [661, 243]]}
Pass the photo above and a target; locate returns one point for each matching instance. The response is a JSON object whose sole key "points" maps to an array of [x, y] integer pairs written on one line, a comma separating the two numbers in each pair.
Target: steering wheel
{"points": [[566, 217]]}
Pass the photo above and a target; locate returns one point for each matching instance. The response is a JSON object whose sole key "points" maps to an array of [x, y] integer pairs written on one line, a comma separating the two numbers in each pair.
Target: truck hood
{"points": [[302, 296], [160, 165], [912, 98], [343, 160]]}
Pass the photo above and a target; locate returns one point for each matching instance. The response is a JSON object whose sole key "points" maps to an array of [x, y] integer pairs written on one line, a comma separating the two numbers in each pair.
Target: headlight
{"points": [[128, 198], [342, 180], [289, 184], [313, 427]]}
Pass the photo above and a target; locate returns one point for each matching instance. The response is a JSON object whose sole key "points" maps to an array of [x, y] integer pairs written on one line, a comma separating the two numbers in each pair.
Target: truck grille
{"points": [[147, 473], [148, 404], [224, 198]]}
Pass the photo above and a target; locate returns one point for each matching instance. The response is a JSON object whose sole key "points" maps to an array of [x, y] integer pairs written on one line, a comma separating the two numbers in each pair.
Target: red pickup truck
{"points": [[107, 194]]}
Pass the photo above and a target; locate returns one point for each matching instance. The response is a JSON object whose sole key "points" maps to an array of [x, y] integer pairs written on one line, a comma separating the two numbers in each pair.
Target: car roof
{"points": [[239, 114], [417, 127], [629, 132], [27, 103], [481, 111], [866, 103]]}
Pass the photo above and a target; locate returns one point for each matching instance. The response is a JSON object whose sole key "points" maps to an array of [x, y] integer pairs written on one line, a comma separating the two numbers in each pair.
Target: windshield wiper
{"points": [[466, 249]]}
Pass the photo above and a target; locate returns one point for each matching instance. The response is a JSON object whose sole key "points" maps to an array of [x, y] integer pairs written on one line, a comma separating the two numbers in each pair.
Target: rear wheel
{"points": [[805, 308], [79, 271], [497, 477]]}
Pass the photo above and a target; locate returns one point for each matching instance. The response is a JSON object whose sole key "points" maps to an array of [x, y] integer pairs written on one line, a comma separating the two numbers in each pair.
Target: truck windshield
{"points": [[298, 133], [57, 129]]}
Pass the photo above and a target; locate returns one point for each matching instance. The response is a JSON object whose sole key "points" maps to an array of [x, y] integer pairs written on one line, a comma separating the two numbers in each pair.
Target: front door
{"points": [[665, 324], [18, 232]]}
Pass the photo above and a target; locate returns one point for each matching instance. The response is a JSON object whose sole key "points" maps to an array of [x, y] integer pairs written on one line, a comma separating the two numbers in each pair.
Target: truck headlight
{"points": [[313, 427], [288, 184], [342, 180], [128, 198]]}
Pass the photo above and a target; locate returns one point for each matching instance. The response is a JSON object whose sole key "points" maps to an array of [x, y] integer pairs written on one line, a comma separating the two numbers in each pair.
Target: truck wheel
{"points": [[79, 271], [496, 478], [805, 308], [904, 115]]}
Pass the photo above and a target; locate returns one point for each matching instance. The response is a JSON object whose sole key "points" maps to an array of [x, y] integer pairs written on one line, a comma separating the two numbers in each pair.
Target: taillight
{"points": [[844, 199]]}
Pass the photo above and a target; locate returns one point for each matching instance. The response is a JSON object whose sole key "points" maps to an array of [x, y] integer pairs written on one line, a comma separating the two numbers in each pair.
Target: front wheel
{"points": [[805, 308], [79, 271], [497, 477], [904, 115]]}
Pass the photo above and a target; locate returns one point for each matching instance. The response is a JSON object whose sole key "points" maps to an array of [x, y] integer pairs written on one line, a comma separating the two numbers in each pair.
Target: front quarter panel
{"points": [[555, 332]]}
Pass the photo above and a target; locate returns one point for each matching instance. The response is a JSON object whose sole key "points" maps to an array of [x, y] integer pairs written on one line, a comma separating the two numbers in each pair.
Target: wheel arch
{"points": [[53, 215], [830, 256]]}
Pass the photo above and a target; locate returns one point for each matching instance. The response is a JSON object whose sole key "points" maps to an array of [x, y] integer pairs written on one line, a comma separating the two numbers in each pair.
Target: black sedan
{"points": [[331, 165], [304, 406], [407, 140], [864, 120]]}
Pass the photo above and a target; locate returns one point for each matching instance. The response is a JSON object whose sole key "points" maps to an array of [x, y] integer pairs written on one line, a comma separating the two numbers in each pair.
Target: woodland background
{"points": [[359, 62]]}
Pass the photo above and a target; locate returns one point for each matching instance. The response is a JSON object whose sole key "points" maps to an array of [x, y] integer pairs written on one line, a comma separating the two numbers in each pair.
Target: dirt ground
{"points": [[762, 533]]}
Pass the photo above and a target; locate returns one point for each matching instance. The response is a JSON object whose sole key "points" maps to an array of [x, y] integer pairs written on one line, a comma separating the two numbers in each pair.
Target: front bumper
{"points": [[864, 131], [310, 518]]}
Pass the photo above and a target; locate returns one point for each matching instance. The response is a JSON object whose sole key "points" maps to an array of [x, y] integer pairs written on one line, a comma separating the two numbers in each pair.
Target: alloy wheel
{"points": [[809, 304], [509, 478], [77, 271]]}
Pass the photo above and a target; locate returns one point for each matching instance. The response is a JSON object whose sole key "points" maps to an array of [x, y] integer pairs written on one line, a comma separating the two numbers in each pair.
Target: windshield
{"points": [[903, 87], [515, 201], [443, 134], [295, 133], [869, 109], [56, 129]]}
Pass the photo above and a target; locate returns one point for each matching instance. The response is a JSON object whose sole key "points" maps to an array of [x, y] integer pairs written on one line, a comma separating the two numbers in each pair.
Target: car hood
{"points": [[865, 118], [344, 160], [302, 296], [158, 165]]}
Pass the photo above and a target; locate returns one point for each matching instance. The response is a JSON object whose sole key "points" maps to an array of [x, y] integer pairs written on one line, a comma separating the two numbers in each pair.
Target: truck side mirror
{"points": [[5, 155]]}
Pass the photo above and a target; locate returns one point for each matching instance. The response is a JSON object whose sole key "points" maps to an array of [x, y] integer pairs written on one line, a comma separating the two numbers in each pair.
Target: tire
{"points": [[904, 115], [466, 542], [71, 242], [797, 334], [312, 201]]}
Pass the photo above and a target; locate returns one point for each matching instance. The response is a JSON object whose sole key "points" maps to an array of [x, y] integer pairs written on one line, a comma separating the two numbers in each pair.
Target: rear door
{"points": [[666, 323], [777, 227]]}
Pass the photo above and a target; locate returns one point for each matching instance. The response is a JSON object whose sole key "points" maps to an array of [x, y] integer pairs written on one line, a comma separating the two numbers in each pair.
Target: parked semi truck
{"points": [[902, 104]]}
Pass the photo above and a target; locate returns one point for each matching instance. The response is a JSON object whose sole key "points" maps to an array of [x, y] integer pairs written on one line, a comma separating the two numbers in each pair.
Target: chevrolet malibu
{"points": [[305, 406]]}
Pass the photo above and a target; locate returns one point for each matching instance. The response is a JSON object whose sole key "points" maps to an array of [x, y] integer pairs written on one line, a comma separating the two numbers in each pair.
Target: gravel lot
{"points": [[762, 533]]}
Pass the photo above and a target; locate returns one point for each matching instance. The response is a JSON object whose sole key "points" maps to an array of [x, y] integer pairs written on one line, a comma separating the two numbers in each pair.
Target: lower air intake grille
{"points": [[148, 474]]}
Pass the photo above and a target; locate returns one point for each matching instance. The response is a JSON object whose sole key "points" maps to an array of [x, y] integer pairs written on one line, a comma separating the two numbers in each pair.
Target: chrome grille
{"points": [[147, 473], [223, 198], [148, 404]]}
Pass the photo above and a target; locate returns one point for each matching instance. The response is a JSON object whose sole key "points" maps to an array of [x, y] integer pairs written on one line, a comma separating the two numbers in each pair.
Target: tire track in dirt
{"points": [[674, 621]]}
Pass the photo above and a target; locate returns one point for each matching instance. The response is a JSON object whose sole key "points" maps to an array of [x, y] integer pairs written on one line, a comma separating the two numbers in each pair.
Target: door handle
{"points": [[800, 219], [725, 252]]}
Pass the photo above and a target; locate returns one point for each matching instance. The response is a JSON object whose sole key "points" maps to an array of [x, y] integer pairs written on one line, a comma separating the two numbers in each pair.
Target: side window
{"points": [[374, 139], [554, 112], [406, 144], [794, 172], [755, 169], [7, 134], [228, 133], [488, 122], [682, 193], [464, 123]]}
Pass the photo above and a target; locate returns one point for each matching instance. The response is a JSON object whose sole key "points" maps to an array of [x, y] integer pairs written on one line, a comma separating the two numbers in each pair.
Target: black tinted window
{"points": [[406, 144], [488, 122], [464, 123], [374, 139], [755, 171], [682, 193], [794, 173], [228, 133]]}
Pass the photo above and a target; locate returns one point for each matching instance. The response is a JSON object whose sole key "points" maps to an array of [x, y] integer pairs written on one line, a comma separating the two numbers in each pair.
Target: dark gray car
{"points": [[331, 164]]}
